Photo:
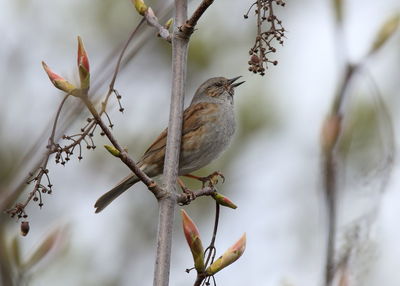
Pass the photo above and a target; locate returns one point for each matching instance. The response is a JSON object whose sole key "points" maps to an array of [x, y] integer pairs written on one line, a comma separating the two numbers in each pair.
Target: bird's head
{"points": [[217, 88]]}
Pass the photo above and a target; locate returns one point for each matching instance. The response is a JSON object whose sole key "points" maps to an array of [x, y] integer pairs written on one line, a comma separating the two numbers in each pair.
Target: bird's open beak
{"points": [[232, 80]]}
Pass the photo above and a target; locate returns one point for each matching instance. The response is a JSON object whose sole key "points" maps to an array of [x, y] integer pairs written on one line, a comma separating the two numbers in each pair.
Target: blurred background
{"points": [[272, 169]]}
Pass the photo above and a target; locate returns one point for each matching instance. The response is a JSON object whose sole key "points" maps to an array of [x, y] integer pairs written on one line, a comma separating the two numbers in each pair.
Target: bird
{"points": [[208, 128]]}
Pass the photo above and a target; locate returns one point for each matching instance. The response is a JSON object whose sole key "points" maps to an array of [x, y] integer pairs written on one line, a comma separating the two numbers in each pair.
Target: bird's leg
{"points": [[211, 179], [189, 194]]}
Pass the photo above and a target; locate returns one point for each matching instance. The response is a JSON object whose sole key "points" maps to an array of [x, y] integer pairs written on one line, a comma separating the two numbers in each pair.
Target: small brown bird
{"points": [[208, 127]]}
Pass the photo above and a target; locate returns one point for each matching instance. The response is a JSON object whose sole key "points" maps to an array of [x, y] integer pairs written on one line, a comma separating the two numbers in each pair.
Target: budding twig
{"points": [[117, 67]]}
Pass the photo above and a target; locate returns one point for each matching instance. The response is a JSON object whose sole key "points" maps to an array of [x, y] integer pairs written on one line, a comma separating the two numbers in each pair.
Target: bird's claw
{"points": [[212, 179]]}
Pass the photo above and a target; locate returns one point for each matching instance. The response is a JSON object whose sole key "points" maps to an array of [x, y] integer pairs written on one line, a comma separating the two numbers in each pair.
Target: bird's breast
{"points": [[208, 141]]}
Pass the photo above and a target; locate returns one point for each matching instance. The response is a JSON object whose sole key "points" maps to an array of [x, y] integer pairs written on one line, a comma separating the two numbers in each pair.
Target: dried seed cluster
{"points": [[63, 154], [265, 39]]}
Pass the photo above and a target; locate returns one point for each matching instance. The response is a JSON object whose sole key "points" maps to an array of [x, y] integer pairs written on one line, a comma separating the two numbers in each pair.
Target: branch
{"points": [[182, 199], [167, 204], [152, 20], [331, 134], [123, 155], [171, 162], [188, 27]]}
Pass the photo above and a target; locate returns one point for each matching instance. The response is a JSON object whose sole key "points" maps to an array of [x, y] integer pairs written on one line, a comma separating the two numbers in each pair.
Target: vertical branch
{"points": [[331, 133], [330, 193], [167, 203]]}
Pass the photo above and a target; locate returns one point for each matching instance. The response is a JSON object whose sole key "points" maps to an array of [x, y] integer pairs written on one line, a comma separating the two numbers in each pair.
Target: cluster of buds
{"points": [[265, 39], [195, 244], [64, 153]]}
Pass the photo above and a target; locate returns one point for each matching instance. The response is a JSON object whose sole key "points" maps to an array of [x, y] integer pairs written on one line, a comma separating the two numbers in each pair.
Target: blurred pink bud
{"points": [[83, 65], [224, 201], [193, 239], [230, 256], [58, 81], [24, 228], [330, 132], [53, 242]]}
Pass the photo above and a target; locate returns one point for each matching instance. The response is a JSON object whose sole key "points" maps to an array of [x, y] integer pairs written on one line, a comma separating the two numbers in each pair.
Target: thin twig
{"points": [[188, 27], [211, 247], [19, 209], [117, 66], [152, 20], [210, 250]]}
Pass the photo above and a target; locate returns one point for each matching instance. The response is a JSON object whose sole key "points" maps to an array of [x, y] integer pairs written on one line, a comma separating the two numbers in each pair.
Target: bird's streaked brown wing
{"points": [[192, 121]]}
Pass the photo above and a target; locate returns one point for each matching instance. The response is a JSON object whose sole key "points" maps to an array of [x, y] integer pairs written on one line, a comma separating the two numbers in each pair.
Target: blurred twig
{"points": [[332, 130]]}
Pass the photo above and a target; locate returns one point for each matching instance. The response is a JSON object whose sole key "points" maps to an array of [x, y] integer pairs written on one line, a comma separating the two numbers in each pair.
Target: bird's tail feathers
{"points": [[115, 192]]}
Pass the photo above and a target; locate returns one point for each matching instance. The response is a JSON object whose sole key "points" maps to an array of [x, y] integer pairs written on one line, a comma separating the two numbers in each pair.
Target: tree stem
{"points": [[171, 163]]}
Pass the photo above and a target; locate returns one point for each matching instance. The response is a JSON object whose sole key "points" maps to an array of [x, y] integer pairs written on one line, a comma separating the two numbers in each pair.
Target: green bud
{"points": [[140, 6], [168, 24], [223, 201], [113, 151]]}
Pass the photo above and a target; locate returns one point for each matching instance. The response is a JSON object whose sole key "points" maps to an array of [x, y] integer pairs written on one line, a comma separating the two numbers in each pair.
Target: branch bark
{"points": [[171, 163], [189, 25]]}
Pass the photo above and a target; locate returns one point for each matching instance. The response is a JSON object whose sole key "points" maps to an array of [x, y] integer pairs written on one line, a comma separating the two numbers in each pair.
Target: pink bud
{"points": [[193, 239], [58, 81], [330, 131], [24, 228], [83, 59], [52, 75], [83, 65]]}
